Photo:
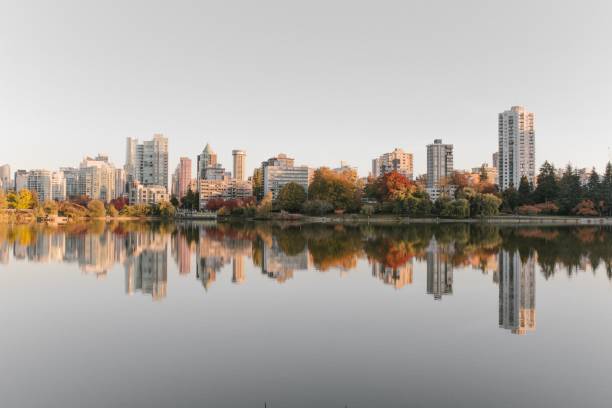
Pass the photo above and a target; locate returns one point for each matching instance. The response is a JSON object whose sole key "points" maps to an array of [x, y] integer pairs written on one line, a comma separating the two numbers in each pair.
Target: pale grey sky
{"points": [[320, 80]]}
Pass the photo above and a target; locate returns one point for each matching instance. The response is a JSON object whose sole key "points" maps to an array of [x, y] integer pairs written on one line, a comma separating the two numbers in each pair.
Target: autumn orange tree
{"points": [[337, 188], [392, 186]]}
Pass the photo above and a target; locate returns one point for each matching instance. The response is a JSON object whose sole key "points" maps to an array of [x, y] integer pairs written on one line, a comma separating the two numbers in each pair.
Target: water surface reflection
{"points": [[508, 255], [303, 316]]}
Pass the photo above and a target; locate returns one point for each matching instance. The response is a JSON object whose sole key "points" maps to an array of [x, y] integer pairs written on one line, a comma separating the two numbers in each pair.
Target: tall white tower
{"points": [[516, 155]]}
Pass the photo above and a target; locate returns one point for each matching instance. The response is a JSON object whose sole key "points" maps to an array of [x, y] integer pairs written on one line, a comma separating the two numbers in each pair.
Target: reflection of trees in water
{"points": [[334, 247], [572, 249]]}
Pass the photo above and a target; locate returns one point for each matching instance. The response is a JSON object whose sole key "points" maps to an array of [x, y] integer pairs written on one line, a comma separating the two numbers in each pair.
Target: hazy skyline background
{"points": [[322, 81]]}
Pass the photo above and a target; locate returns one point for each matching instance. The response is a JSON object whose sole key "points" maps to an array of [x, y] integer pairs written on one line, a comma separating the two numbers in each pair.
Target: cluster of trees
{"points": [[564, 194], [242, 207], [82, 207], [329, 191], [23, 200], [191, 201], [391, 193]]}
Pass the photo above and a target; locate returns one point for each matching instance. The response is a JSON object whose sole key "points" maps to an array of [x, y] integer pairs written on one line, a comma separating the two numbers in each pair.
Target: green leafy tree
{"points": [[459, 208], [594, 190], [191, 201], [440, 204], [510, 199], [291, 197], [606, 188], [485, 205], [174, 201], [96, 208], [317, 207], [570, 191], [525, 192], [548, 188], [418, 204]]}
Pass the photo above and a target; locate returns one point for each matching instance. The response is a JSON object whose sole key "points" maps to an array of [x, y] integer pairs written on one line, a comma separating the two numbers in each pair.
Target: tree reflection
{"points": [[280, 250]]}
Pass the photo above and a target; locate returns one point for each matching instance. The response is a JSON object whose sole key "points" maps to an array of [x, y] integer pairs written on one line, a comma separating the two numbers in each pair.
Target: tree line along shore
{"points": [[340, 196]]}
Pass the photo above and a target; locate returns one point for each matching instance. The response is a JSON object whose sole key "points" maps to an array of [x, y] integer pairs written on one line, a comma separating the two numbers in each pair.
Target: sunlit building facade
{"points": [[147, 162], [239, 170], [280, 170], [398, 160], [516, 147]]}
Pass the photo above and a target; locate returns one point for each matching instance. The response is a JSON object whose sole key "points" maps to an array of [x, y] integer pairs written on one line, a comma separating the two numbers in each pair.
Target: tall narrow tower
{"points": [[207, 159], [516, 155], [239, 164], [439, 163]]}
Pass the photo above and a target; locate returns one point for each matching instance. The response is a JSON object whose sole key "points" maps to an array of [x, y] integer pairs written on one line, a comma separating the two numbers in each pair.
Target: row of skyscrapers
{"points": [[144, 177]]}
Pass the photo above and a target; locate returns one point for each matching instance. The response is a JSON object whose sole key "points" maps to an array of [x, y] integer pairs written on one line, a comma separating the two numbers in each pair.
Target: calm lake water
{"points": [[205, 315]]}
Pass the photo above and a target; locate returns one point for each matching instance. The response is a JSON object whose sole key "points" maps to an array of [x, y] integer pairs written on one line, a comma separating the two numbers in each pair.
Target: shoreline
{"points": [[355, 219]]}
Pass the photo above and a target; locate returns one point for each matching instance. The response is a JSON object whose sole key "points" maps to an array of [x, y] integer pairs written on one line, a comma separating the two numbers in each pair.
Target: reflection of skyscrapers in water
{"points": [[398, 277], [147, 272], [181, 252], [215, 250], [207, 268], [4, 252], [238, 275], [279, 265], [146, 264], [97, 253], [439, 270], [516, 293]]}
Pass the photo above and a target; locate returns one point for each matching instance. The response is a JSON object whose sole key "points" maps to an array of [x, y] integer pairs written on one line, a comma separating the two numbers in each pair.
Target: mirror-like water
{"points": [[206, 315]]}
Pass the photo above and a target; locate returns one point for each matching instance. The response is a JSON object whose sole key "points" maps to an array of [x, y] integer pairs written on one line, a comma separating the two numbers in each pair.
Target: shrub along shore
{"points": [[24, 207]]}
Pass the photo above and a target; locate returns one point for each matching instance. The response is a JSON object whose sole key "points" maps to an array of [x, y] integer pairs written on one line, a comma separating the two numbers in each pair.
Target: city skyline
{"points": [[344, 89]]}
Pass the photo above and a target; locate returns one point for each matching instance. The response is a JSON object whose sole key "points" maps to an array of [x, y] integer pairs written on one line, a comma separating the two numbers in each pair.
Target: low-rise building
{"points": [[490, 172], [140, 194], [439, 191], [227, 189], [280, 170]]}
